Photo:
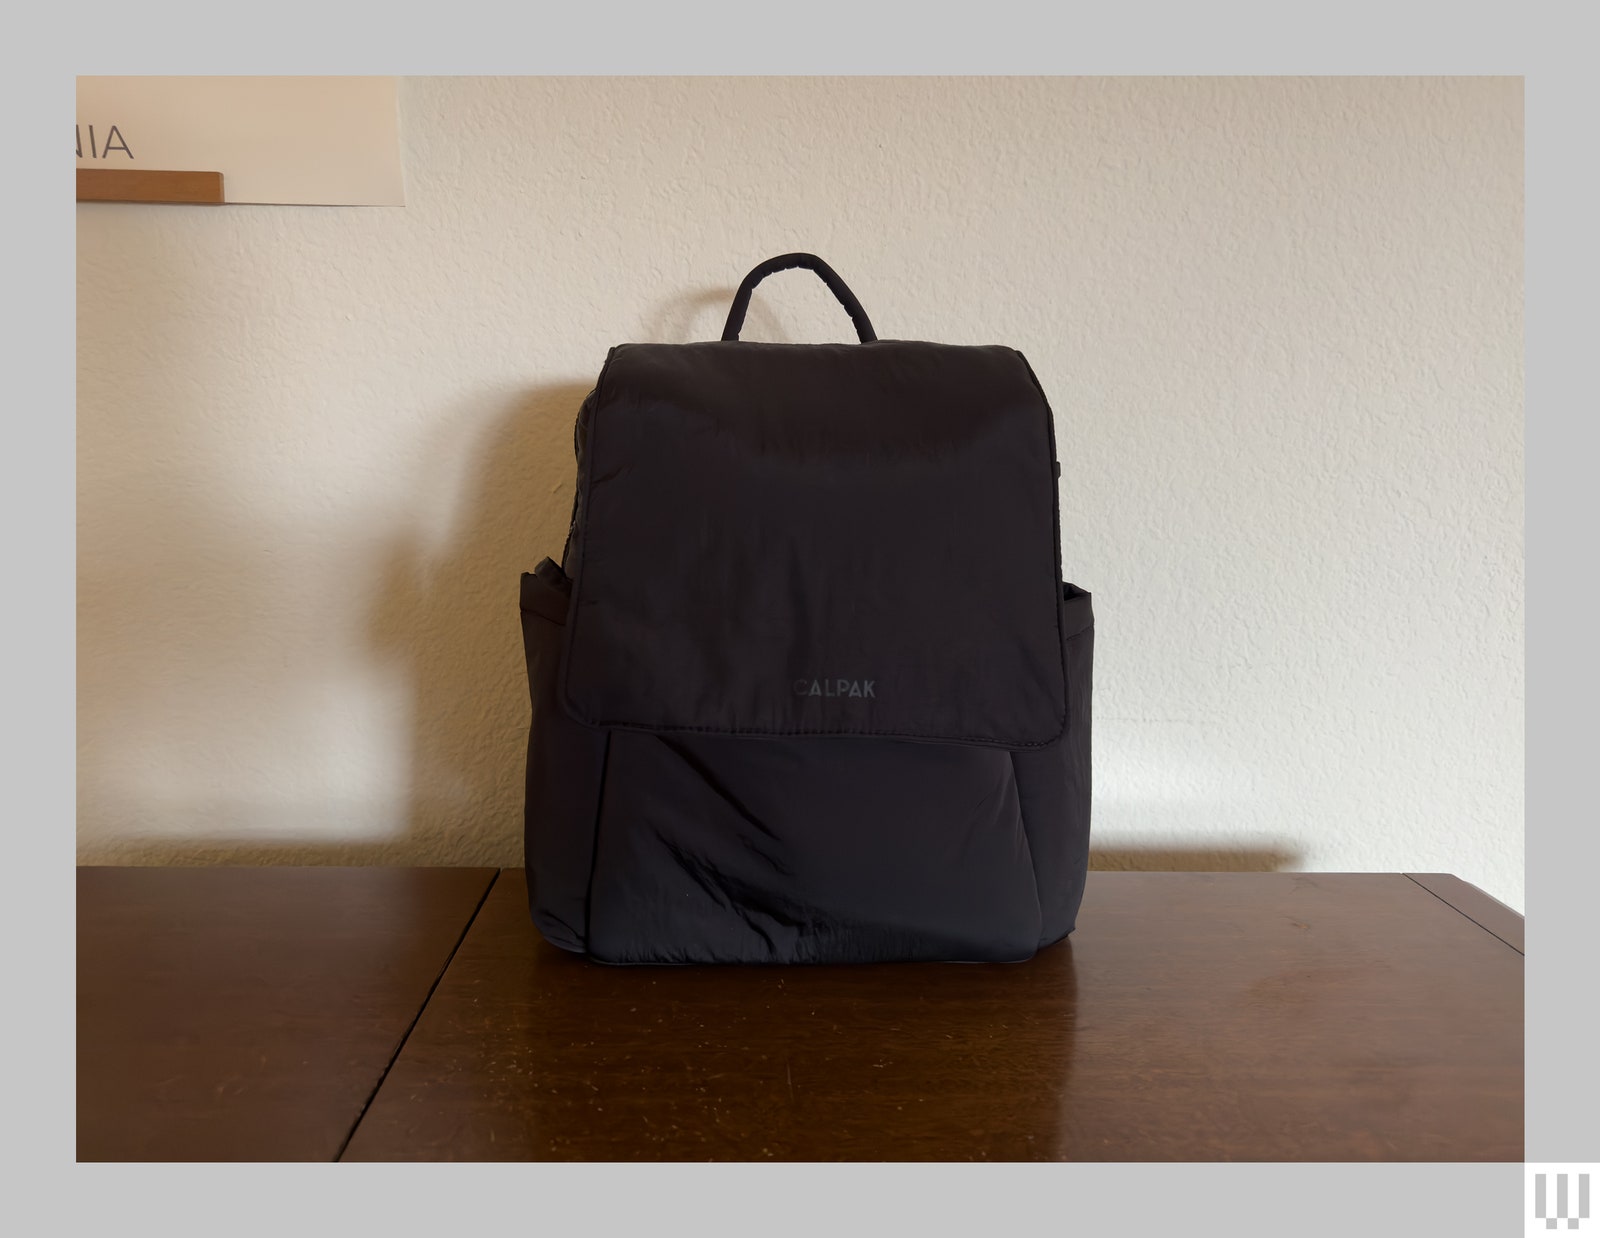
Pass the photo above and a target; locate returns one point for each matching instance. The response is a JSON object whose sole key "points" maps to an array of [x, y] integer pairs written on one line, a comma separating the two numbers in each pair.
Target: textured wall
{"points": [[1279, 321]]}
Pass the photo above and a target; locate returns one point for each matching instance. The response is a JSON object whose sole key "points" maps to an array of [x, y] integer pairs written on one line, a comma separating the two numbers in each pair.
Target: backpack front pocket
{"points": [[721, 849]]}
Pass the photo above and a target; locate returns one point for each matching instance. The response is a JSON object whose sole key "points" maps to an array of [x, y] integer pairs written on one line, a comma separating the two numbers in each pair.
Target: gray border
{"points": [[40, 521], [777, 1201], [1561, 443]]}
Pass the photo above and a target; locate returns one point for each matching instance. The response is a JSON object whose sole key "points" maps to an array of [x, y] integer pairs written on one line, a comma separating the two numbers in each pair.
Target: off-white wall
{"points": [[1279, 321]]}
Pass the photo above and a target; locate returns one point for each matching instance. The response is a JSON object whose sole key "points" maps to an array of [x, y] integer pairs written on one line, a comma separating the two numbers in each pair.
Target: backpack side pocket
{"points": [[566, 766], [1054, 783]]}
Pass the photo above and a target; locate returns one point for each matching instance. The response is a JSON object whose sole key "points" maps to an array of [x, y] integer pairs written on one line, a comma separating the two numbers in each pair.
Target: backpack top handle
{"points": [[787, 262]]}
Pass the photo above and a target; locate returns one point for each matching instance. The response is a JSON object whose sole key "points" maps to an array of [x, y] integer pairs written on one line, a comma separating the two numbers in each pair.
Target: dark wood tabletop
{"points": [[274, 1014], [248, 1013], [1192, 1016]]}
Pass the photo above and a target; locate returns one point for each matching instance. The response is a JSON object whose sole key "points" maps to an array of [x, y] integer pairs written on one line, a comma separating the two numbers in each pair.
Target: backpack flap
{"points": [[818, 540]]}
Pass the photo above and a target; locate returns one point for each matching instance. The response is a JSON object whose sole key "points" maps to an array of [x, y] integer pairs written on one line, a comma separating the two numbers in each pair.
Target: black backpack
{"points": [[807, 686]]}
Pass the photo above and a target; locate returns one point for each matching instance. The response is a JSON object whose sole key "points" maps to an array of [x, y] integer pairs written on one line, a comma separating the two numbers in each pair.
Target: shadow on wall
{"points": [[450, 619], [446, 619]]}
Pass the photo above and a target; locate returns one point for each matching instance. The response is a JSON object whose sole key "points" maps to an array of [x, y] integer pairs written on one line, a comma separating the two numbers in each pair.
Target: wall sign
{"points": [[322, 141]]}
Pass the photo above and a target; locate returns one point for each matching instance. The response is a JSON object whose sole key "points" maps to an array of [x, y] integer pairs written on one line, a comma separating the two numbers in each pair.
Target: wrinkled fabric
{"points": [[808, 687]]}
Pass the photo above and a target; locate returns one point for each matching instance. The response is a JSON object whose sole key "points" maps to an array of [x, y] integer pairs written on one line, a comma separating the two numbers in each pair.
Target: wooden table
{"points": [[1192, 1016], [249, 1013]]}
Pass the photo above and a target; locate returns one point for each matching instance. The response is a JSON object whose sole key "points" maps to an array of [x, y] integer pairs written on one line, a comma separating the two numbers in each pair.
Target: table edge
{"points": [[1483, 909]]}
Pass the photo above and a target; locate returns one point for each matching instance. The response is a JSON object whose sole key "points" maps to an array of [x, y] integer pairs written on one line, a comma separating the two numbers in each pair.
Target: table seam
{"points": [[427, 998], [1463, 914]]}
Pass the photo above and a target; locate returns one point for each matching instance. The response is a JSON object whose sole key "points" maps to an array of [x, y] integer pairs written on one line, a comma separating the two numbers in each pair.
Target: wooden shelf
{"points": [[129, 185]]}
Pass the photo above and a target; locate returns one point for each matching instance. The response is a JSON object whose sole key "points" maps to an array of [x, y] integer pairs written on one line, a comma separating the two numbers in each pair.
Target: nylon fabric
{"points": [[791, 540], [807, 686]]}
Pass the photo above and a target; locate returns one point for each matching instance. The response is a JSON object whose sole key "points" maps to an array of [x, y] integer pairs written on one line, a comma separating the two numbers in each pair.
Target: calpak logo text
{"points": [[835, 687]]}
